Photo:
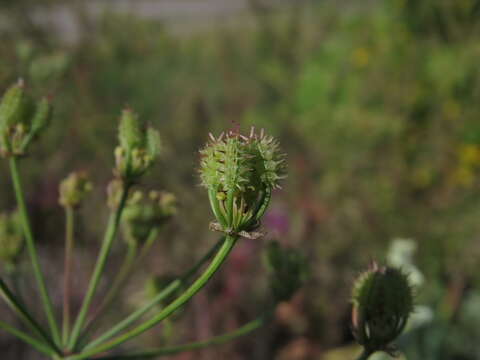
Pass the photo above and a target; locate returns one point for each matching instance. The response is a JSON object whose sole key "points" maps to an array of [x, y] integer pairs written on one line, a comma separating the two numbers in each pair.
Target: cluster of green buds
{"points": [[239, 173], [138, 149], [21, 120], [74, 189], [145, 213], [382, 303], [11, 238], [287, 269]]}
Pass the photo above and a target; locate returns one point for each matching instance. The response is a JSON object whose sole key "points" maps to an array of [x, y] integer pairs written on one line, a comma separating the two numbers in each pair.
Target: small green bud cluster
{"points": [[240, 172], [21, 120], [143, 214], [382, 303], [11, 237], [138, 149], [288, 270], [74, 189]]}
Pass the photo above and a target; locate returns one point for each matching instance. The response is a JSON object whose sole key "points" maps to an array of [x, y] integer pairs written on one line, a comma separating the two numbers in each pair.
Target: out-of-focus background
{"points": [[375, 102]]}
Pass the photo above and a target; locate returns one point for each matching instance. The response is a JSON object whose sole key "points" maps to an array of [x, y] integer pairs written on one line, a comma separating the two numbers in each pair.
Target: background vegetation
{"points": [[377, 106]]}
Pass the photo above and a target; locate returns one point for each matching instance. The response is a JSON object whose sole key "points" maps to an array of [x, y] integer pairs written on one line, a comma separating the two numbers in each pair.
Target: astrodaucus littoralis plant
{"points": [[382, 300], [239, 173]]}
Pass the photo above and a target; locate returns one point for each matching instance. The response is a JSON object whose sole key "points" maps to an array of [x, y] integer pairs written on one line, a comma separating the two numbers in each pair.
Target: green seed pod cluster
{"points": [[287, 269], [143, 214], [239, 173], [74, 189], [21, 120], [11, 237], [382, 303], [138, 149]]}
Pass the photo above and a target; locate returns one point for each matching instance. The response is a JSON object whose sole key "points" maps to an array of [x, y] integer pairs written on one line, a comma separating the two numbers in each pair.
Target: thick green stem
{"points": [[110, 235], [365, 354], [67, 282], [170, 289], [47, 303], [37, 345], [217, 340], [25, 316], [172, 307]]}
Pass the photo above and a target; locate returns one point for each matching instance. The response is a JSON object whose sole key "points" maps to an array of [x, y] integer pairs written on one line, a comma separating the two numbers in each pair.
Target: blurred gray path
{"points": [[179, 15]]}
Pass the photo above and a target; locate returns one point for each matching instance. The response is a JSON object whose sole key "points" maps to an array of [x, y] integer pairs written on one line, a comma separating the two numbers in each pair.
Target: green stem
{"points": [[37, 345], [170, 289], [172, 307], [365, 354], [69, 244], [47, 303], [110, 235], [118, 282], [217, 340], [25, 316]]}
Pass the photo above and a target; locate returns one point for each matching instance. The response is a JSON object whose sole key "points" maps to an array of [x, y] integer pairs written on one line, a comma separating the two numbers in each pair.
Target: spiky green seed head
{"points": [[238, 172], [139, 147], [21, 120], [382, 300], [11, 237], [74, 189], [145, 213], [287, 269]]}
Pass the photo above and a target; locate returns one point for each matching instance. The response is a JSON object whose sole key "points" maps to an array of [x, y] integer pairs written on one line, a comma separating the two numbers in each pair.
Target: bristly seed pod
{"points": [[240, 172], [138, 149], [73, 189], [382, 303], [21, 121]]}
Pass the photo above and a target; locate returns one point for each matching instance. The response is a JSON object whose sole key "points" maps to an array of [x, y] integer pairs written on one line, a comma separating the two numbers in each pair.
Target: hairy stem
{"points": [[67, 281], [170, 289], [47, 303], [110, 235], [217, 340], [172, 307]]}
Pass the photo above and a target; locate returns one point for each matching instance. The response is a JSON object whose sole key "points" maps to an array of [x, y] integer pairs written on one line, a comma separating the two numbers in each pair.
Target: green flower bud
{"points": [[143, 214], [11, 237], [288, 271], [382, 302], [240, 173], [73, 189], [138, 149], [21, 120]]}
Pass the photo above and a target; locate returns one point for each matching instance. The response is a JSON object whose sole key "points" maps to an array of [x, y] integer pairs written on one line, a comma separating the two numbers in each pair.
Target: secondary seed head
{"points": [[382, 303]]}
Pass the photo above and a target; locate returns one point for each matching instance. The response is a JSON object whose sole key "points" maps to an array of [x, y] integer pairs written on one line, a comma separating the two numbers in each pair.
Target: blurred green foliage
{"points": [[376, 106]]}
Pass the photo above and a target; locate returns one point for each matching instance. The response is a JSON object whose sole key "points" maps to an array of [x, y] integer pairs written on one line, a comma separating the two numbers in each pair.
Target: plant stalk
{"points": [[170, 289], [67, 281], [25, 316], [215, 264], [110, 235], [37, 345], [47, 303], [217, 340]]}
